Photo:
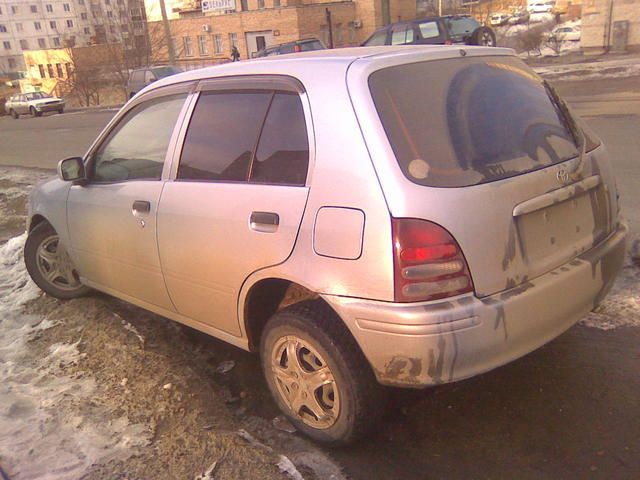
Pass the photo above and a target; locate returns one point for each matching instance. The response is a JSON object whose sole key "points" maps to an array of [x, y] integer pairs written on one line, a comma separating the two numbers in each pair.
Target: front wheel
{"points": [[318, 376], [49, 264], [34, 112]]}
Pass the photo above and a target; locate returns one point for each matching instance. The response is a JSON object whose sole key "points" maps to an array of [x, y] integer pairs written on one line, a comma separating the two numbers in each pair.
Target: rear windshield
{"points": [[461, 122], [459, 26]]}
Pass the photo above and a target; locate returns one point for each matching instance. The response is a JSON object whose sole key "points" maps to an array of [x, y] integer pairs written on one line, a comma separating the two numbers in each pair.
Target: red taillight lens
{"points": [[296, 48], [428, 262], [448, 42]]}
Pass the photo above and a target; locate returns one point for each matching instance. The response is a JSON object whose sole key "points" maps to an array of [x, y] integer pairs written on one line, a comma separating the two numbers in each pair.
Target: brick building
{"points": [[204, 38], [610, 25]]}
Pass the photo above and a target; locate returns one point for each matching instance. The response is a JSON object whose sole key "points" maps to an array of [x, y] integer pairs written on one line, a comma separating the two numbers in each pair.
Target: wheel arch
{"points": [[36, 220]]}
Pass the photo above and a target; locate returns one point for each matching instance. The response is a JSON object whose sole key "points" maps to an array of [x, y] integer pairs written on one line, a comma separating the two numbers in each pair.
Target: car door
{"points": [[112, 219], [238, 195], [22, 105]]}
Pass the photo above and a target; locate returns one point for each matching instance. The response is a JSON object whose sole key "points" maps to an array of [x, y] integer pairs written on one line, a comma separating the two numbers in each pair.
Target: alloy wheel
{"points": [[305, 382], [55, 266]]}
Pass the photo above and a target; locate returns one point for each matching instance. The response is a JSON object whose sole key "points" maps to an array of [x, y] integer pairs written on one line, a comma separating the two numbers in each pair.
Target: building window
{"points": [[59, 70], [233, 40], [41, 43], [276, 3], [107, 2], [80, 2], [52, 24], [66, 7], [87, 30], [70, 23], [243, 5], [67, 67], [56, 41], [260, 3], [14, 9], [114, 29], [49, 8], [34, 9], [109, 14], [3, 29], [202, 45], [12, 63], [37, 25], [83, 16], [0, 10], [50, 70], [188, 49], [18, 27], [24, 45], [217, 43], [7, 45], [42, 74]]}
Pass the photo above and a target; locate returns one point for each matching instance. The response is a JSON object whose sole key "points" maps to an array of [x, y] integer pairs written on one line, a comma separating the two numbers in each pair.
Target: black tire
{"points": [[61, 111], [34, 112], [362, 400], [483, 36], [14, 114], [42, 233]]}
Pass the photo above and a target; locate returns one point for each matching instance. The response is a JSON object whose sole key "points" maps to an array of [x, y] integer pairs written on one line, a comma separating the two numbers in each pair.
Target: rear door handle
{"points": [[141, 207], [266, 222]]}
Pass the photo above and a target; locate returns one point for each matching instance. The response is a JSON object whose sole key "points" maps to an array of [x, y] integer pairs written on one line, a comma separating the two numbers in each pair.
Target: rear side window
{"points": [[429, 30], [240, 136], [137, 76], [222, 135], [402, 35], [307, 46], [460, 122], [282, 156], [463, 26]]}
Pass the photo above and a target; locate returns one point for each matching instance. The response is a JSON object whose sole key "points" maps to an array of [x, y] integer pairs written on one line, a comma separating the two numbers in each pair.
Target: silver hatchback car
{"points": [[384, 216]]}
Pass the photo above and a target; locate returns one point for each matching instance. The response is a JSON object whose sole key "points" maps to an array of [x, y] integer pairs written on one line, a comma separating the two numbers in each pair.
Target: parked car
{"points": [[141, 77], [541, 7], [499, 19], [447, 30], [34, 104], [412, 234], [519, 17], [304, 45], [565, 33]]}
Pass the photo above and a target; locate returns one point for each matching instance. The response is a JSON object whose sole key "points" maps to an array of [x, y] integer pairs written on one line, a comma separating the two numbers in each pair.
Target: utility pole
{"points": [[167, 33], [439, 8], [328, 17]]}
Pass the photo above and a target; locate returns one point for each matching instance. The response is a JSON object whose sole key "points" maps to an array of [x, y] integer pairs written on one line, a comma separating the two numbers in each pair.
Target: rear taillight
{"points": [[296, 48], [428, 262]]}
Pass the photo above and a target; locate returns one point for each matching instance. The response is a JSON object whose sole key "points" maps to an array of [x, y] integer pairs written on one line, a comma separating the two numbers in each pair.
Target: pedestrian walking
{"points": [[235, 54]]}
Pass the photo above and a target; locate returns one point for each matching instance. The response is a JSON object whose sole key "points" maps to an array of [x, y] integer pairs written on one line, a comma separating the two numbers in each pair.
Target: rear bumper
{"points": [[417, 345]]}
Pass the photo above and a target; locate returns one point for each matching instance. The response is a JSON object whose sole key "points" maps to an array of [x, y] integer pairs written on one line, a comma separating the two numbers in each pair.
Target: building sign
{"points": [[218, 6]]}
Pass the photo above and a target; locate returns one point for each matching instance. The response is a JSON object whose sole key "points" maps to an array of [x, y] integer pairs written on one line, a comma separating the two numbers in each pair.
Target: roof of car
{"points": [[313, 62]]}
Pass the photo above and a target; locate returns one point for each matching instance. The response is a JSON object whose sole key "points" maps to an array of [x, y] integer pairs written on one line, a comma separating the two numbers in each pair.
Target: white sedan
{"points": [[566, 34], [33, 103]]}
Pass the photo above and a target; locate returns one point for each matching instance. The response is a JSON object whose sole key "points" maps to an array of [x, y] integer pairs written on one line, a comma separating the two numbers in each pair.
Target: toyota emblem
{"points": [[562, 175]]}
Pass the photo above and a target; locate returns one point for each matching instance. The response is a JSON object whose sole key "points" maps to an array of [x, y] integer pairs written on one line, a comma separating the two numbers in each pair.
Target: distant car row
{"points": [[34, 104]]}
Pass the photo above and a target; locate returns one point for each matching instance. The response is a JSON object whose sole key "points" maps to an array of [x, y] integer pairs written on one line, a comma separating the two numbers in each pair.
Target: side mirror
{"points": [[71, 169]]}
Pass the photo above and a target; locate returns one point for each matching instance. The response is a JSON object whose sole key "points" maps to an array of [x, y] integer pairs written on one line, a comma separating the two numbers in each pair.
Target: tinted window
{"points": [[137, 147], [429, 30], [222, 135], [399, 36], [465, 25], [468, 121], [283, 151], [307, 46], [378, 38]]}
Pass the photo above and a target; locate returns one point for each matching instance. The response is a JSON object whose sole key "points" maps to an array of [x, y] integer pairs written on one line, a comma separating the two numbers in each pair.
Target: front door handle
{"points": [[266, 222], [141, 207]]}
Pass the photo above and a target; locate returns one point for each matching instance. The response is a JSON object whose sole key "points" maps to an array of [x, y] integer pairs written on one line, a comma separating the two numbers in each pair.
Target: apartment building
{"points": [[610, 25], [205, 34], [44, 24]]}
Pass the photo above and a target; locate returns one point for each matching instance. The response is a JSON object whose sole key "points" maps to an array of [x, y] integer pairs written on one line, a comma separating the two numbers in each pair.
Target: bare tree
{"points": [[531, 39]]}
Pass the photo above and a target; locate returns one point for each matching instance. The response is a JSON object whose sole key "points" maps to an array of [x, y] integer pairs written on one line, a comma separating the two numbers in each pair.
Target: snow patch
{"points": [[50, 426]]}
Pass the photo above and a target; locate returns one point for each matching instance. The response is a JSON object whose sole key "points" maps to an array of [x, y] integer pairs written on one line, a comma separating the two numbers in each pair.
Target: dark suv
{"points": [[445, 30], [291, 47]]}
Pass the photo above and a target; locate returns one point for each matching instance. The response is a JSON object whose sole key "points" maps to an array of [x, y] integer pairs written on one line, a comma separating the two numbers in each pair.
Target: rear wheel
{"points": [[61, 111], [318, 375], [483, 36], [49, 264]]}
